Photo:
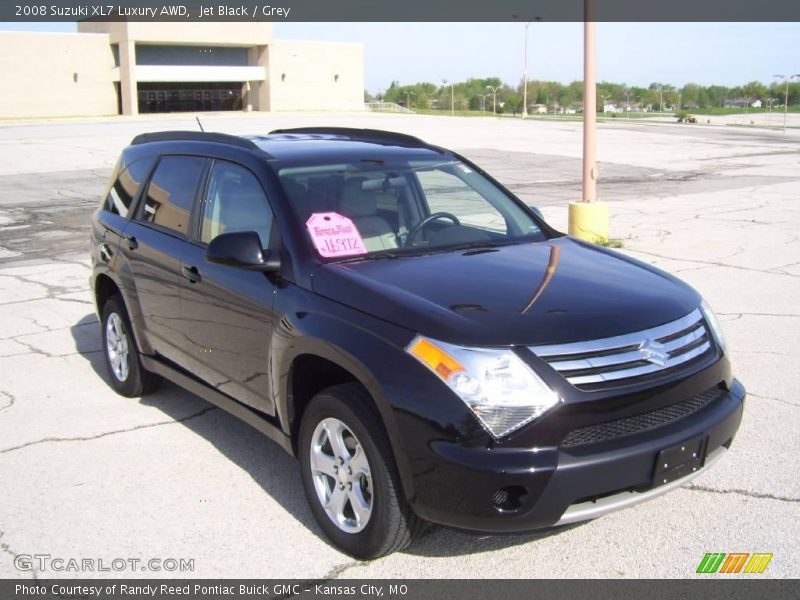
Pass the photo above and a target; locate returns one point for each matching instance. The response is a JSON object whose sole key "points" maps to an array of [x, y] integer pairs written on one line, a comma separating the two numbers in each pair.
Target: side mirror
{"points": [[241, 249], [537, 211]]}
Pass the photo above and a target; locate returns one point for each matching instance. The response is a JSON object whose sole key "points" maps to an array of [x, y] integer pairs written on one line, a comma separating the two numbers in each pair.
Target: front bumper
{"points": [[564, 485]]}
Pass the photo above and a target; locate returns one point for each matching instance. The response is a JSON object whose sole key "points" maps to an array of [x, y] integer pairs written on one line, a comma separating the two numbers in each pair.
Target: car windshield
{"points": [[371, 208]]}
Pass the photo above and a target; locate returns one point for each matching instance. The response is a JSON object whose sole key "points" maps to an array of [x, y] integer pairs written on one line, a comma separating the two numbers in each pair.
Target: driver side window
{"points": [[445, 192], [235, 201]]}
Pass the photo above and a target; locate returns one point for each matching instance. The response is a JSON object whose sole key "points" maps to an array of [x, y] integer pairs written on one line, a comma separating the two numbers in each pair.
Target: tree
{"points": [[717, 94], [469, 94], [514, 104], [755, 90]]}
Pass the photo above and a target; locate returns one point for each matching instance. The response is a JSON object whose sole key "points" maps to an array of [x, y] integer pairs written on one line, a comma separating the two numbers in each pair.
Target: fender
{"points": [[118, 271], [355, 349]]}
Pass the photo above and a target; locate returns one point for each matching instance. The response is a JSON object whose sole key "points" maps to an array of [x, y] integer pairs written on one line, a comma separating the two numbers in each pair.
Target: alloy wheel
{"points": [[341, 475], [117, 346]]}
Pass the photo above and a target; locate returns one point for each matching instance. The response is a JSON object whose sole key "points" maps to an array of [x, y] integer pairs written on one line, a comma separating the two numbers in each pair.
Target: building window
{"points": [[153, 54]]}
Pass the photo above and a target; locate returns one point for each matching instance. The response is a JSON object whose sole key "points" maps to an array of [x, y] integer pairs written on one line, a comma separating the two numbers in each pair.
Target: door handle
{"points": [[132, 243], [191, 273]]}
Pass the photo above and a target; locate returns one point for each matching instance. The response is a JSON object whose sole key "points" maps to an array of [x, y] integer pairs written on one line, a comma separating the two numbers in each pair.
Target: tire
{"points": [[125, 371], [391, 524]]}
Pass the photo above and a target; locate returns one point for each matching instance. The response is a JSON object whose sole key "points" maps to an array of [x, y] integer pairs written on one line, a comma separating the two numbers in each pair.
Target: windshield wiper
{"points": [[474, 247], [376, 256]]}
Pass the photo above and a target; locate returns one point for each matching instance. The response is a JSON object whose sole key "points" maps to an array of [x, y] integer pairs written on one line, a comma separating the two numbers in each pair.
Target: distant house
{"points": [[756, 104], [538, 108], [611, 107]]}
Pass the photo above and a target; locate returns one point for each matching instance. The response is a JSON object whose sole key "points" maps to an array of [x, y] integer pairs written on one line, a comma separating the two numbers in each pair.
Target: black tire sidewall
{"points": [[370, 541]]}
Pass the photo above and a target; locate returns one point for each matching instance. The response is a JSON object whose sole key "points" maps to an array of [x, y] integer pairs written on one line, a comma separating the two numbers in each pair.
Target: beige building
{"points": [[130, 68]]}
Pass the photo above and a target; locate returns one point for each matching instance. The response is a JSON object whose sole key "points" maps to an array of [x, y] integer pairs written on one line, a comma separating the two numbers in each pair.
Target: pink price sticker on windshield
{"points": [[335, 235]]}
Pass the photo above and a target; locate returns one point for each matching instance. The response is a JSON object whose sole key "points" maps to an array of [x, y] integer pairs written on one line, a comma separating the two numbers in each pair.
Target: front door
{"points": [[226, 311]]}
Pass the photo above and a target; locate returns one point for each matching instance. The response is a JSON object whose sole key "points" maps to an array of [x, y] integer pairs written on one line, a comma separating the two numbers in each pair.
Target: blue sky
{"points": [[633, 53]]}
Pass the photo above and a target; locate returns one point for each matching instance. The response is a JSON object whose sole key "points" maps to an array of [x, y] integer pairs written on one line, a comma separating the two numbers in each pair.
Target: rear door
{"points": [[227, 312], [155, 245]]}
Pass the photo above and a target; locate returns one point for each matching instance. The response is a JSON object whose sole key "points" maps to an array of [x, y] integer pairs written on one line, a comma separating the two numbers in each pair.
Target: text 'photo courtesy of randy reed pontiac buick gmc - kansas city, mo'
{"points": [[426, 345]]}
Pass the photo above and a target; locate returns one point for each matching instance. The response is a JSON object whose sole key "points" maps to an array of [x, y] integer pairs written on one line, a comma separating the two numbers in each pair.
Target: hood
{"points": [[555, 291]]}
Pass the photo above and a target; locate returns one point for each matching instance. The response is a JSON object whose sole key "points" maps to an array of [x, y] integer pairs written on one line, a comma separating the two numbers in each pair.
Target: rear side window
{"points": [[171, 191], [126, 186]]}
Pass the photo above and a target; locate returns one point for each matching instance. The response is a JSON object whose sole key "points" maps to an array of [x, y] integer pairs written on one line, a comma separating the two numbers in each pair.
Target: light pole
{"points": [[588, 219], [786, 79], [660, 98], [525, 67], [452, 98], [493, 89], [408, 104], [589, 109], [525, 76]]}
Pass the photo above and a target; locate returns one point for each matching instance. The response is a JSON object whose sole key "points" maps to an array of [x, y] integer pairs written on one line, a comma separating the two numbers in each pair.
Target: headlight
{"points": [[494, 383], [716, 330]]}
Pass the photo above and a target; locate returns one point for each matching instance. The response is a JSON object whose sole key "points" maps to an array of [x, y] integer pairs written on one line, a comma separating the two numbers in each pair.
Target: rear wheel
{"points": [[350, 477], [127, 375]]}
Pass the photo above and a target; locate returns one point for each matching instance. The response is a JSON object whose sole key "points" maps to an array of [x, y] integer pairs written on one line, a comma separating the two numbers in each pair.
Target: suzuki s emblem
{"points": [[654, 352]]}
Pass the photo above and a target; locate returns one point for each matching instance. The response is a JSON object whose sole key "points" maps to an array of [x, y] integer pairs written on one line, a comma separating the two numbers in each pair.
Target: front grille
{"points": [[612, 430], [630, 356]]}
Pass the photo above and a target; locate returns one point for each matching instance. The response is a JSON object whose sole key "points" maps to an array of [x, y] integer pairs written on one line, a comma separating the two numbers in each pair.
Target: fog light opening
{"points": [[509, 498]]}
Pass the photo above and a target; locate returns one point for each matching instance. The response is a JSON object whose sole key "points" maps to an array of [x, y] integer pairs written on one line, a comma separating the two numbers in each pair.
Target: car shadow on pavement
{"points": [[264, 461], [276, 472]]}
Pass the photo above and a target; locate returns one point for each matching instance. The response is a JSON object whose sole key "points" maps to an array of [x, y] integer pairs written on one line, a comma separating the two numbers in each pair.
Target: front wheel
{"points": [[349, 475]]}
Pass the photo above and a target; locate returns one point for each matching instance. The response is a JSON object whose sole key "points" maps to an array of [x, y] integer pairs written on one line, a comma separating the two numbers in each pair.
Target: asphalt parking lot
{"points": [[85, 473]]}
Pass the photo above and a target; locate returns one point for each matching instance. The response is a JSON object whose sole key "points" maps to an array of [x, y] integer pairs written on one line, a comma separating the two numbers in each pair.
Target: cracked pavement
{"points": [[88, 474]]}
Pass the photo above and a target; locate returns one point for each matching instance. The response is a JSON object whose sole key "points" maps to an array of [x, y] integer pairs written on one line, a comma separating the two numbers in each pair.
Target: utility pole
{"points": [[408, 104], [493, 89], [588, 219]]}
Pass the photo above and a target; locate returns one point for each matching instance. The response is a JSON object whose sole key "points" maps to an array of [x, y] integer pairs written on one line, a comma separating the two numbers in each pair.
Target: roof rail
{"points": [[359, 134], [194, 136]]}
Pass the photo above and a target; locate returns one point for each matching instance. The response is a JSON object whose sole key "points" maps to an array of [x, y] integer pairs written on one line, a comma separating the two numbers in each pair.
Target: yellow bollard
{"points": [[589, 221]]}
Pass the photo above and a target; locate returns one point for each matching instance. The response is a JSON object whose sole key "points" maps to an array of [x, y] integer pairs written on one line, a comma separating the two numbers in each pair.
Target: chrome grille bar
{"points": [[630, 355]]}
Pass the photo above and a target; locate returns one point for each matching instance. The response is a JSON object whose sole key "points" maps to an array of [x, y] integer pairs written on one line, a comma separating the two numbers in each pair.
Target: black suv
{"points": [[430, 349]]}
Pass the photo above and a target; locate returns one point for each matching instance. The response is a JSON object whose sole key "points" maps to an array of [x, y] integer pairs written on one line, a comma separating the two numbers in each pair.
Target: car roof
{"points": [[312, 143], [324, 147]]}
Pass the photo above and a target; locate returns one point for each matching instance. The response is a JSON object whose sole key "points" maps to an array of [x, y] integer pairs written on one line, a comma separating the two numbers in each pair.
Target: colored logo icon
{"points": [[735, 562]]}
